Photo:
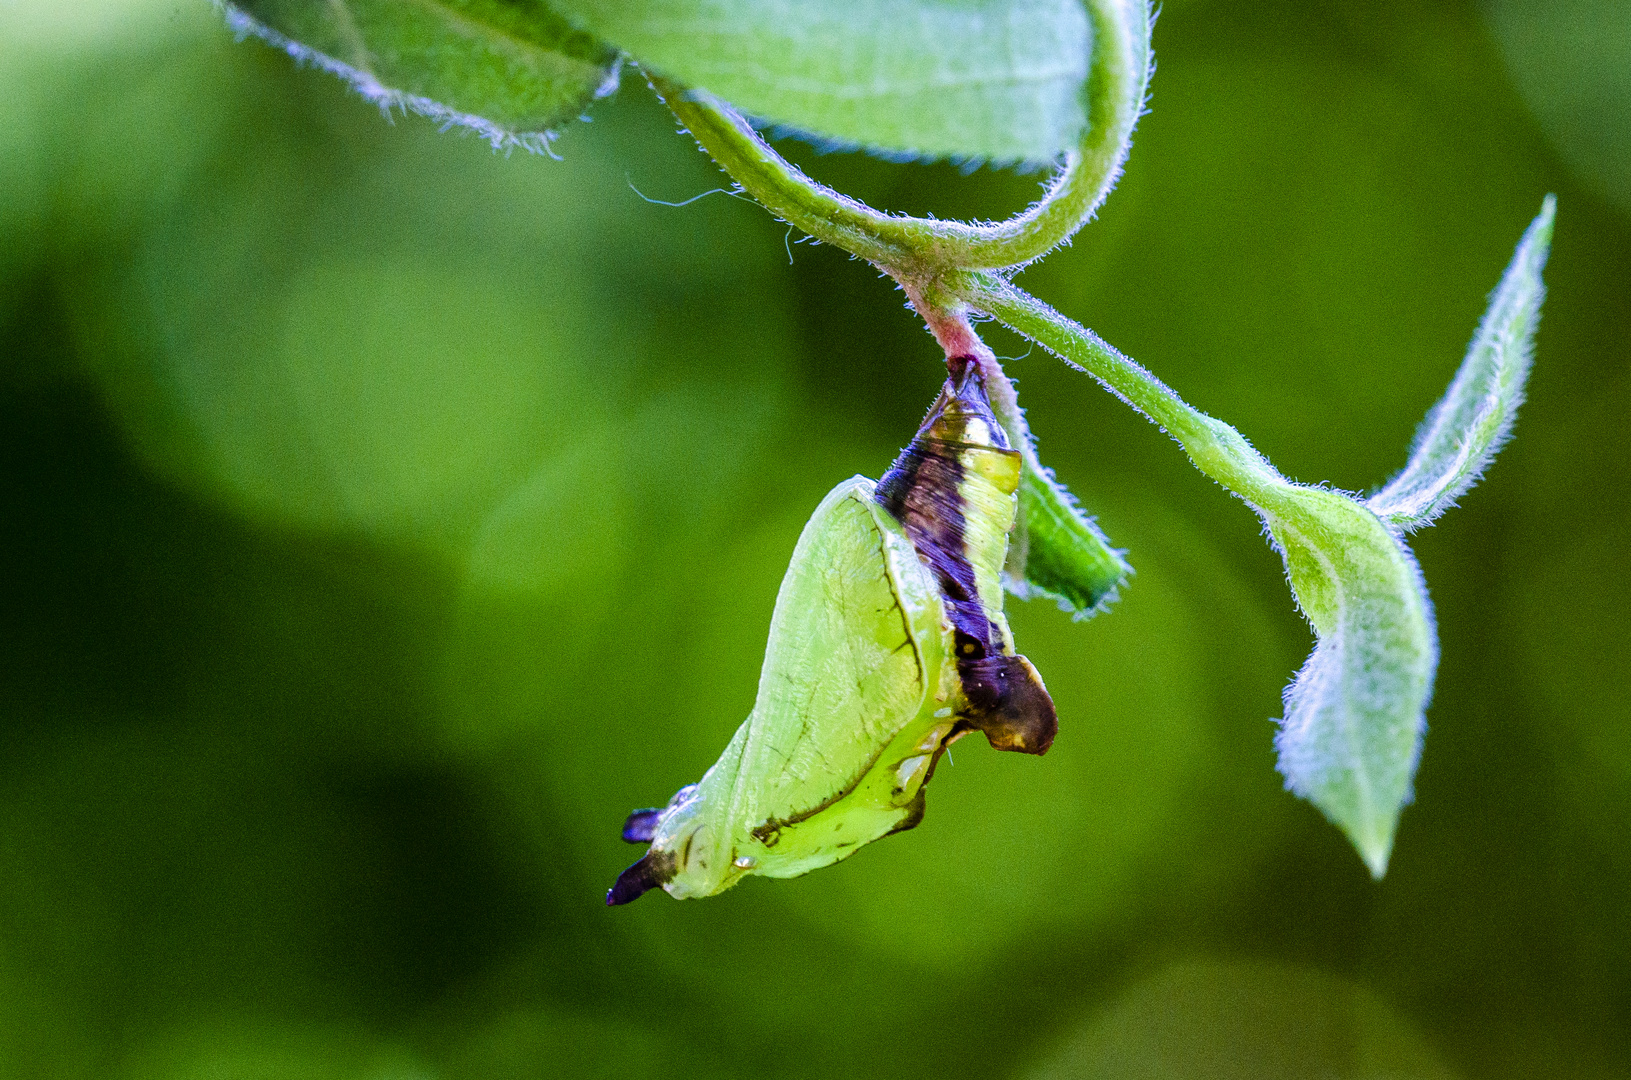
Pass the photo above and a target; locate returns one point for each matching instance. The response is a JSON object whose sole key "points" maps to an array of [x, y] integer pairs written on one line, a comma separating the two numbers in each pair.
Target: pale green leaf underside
{"points": [[998, 79], [1466, 428], [512, 70]]}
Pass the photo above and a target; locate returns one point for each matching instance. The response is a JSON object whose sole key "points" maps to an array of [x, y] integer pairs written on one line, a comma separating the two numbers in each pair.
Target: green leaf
{"points": [[1058, 552], [1000, 79], [511, 70], [1055, 550], [1463, 432], [1355, 713]]}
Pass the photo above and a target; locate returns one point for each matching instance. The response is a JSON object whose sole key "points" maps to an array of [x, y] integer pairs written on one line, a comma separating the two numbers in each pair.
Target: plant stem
{"points": [[1217, 449], [910, 248], [951, 328]]}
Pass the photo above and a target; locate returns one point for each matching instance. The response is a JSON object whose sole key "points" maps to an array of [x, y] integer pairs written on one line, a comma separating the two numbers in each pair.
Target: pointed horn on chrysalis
{"points": [[641, 825], [649, 872]]}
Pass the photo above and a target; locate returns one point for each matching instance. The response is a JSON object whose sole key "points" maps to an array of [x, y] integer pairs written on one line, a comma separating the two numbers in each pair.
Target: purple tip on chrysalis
{"points": [[641, 825], [646, 874]]}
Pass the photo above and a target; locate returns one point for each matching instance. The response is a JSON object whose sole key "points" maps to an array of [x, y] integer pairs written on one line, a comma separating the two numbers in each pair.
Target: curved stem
{"points": [[909, 247], [889, 241], [1217, 449]]}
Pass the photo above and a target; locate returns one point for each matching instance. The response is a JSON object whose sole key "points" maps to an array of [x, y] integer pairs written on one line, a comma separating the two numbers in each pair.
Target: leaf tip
{"points": [[1548, 213], [1536, 243], [1375, 847], [1473, 420]]}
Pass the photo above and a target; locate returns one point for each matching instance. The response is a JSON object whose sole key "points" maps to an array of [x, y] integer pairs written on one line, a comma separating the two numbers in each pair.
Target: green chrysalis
{"points": [[887, 644]]}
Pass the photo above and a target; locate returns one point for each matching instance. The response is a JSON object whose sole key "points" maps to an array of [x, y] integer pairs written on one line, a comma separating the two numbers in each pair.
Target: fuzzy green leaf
{"points": [[1463, 432], [1056, 551], [512, 70], [998, 79], [1355, 713]]}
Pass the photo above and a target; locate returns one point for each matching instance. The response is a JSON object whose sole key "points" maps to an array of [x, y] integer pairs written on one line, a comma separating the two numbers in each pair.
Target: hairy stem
{"points": [[1217, 449], [951, 328], [912, 248]]}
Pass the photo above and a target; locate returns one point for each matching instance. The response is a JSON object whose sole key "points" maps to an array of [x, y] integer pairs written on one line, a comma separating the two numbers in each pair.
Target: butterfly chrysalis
{"points": [[887, 644]]}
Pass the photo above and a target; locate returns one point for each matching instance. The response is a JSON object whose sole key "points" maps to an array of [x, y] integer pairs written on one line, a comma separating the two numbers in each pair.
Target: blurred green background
{"points": [[384, 518]]}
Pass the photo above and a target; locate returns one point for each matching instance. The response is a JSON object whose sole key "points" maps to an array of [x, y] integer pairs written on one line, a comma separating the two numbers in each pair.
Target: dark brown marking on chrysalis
{"points": [[1010, 704], [649, 872], [924, 491], [641, 826], [770, 832], [914, 811]]}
